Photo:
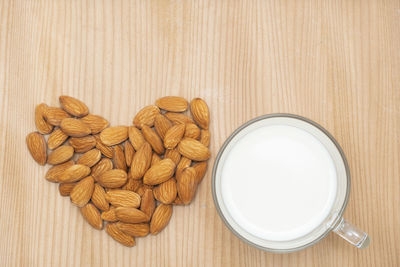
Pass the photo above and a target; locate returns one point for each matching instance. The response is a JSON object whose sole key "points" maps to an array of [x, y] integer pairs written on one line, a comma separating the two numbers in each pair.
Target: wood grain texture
{"points": [[336, 62]]}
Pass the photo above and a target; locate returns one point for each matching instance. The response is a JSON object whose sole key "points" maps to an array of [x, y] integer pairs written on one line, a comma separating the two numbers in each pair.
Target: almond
{"points": [[102, 166], [155, 159], [56, 138], [141, 162], [123, 198], [148, 204], [193, 149], [74, 127], [73, 106], [187, 185], [41, 124], [200, 113], [82, 144], [82, 191], [119, 158], [114, 135], [192, 131], [200, 168], [178, 118], [90, 158], [183, 164], [146, 116], [162, 124], [131, 215], [54, 172], [129, 152], [119, 236], [109, 215], [173, 154], [96, 123], [166, 191], [92, 216], [153, 139], [54, 115], [99, 198], [142, 189], [60, 155], [107, 151], [74, 173], [177, 201], [174, 136], [37, 147], [132, 185], [160, 218], [160, 172], [172, 103], [65, 189], [205, 137], [134, 229], [113, 178], [135, 137]]}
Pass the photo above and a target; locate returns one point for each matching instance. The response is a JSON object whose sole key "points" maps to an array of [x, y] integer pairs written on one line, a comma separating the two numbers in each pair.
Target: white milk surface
{"points": [[278, 182]]}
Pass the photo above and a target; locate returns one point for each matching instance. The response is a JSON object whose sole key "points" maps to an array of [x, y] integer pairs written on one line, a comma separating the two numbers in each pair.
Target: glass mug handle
{"points": [[352, 234]]}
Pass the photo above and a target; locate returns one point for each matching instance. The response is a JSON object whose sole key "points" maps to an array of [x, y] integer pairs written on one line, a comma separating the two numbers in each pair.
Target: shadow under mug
{"points": [[333, 222]]}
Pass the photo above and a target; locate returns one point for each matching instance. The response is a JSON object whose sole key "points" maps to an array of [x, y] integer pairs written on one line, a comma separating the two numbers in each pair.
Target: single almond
{"points": [[183, 164], [153, 139], [82, 144], [178, 118], [82, 191], [200, 168], [187, 185], [114, 135], [41, 124], [107, 151], [205, 137], [136, 137], [90, 158], [200, 112], [113, 178], [123, 198], [192, 131], [148, 203], [74, 127], [102, 166], [160, 219], [119, 158], [129, 152], [142, 189], [60, 155], [73, 106], [160, 172], [65, 189], [132, 184], [172, 103], [54, 115], [92, 216], [166, 192], [109, 215], [37, 147], [134, 229], [96, 123], [193, 149], [56, 138], [146, 116], [173, 154], [141, 162], [99, 197], [74, 173], [174, 136], [54, 172], [119, 236], [162, 124], [155, 159], [131, 215]]}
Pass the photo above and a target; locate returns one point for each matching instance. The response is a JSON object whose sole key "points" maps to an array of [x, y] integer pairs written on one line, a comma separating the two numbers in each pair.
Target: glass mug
{"points": [[234, 198]]}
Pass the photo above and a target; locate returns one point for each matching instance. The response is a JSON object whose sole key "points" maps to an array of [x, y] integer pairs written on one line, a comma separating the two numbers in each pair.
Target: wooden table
{"points": [[335, 62]]}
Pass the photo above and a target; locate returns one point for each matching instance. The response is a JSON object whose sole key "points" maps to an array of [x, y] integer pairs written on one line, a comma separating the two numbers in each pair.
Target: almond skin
{"points": [[141, 162], [99, 198], [193, 149], [123, 198], [134, 229], [132, 185], [205, 137], [102, 166], [173, 154], [166, 192], [82, 192], [162, 124], [41, 124], [192, 131], [160, 172], [74, 173], [131, 215], [109, 215], [65, 189], [153, 139], [114, 135], [155, 159], [54, 115], [60, 155], [54, 172], [37, 147], [146, 116], [119, 236], [92, 216], [160, 219], [178, 118], [142, 189], [74, 127], [90, 158], [200, 168], [113, 178], [96, 123], [183, 164], [56, 138], [200, 113], [136, 137], [148, 204], [119, 158], [82, 144], [129, 152], [174, 136], [187, 185], [73, 106], [107, 151], [172, 103]]}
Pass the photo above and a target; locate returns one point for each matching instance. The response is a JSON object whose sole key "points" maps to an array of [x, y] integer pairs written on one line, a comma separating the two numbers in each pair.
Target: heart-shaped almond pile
{"points": [[128, 176]]}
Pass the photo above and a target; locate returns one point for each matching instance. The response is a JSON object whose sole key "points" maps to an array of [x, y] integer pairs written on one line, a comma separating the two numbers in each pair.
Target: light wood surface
{"points": [[335, 62]]}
